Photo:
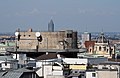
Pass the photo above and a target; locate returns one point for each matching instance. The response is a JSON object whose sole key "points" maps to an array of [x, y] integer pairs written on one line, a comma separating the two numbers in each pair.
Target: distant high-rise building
{"points": [[51, 26], [85, 37]]}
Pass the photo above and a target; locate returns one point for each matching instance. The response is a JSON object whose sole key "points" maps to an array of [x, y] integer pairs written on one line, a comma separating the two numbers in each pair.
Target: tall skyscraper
{"points": [[51, 26], [86, 37]]}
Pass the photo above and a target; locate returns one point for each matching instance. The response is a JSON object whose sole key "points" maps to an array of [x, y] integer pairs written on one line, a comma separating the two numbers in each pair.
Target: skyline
{"points": [[79, 15]]}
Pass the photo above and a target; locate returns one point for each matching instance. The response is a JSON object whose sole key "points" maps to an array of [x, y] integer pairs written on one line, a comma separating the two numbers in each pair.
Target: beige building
{"points": [[107, 73], [47, 40], [108, 70], [103, 47], [102, 73]]}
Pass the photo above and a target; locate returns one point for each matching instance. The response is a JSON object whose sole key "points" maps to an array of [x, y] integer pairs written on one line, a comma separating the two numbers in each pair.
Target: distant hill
{"points": [[7, 34]]}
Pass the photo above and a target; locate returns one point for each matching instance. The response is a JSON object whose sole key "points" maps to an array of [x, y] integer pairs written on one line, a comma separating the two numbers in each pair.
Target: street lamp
{"points": [[17, 34], [37, 34]]}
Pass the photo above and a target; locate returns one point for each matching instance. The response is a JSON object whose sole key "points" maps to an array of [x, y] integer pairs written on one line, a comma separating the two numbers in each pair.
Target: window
{"points": [[107, 50], [75, 71], [100, 48], [93, 74], [5, 63], [65, 73], [82, 74], [69, 35], [90, 50], [104, 48]]}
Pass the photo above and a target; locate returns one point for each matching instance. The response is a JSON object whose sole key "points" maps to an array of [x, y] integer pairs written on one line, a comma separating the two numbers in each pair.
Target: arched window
{"points": [[107, 50], [104, 48], [100, 48], [90, 50]]}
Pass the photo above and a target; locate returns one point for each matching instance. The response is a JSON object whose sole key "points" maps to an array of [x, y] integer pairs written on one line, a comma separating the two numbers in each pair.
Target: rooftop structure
{"points": [[103, 47], [42, 42], [102, 38], [20, 73], [100, 47]]}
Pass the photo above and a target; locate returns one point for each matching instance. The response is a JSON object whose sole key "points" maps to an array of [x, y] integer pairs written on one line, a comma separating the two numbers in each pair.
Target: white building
{"points": [[75, 60], [9, 65], [51, 70], [85, 60], [91, 74], [85, 37], [107, 73], [7, 62]]}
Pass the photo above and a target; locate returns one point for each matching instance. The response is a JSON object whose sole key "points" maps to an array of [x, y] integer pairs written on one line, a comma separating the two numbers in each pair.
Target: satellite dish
{"points": [[37, 34], [58, 56], [16, 33]]}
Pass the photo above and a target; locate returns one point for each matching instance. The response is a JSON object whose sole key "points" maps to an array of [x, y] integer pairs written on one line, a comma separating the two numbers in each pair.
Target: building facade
{"points": [[103, 47], [85, 37], [48, 40]]}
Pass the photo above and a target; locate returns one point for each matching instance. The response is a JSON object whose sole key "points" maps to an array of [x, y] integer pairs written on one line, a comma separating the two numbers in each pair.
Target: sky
{"points": [[77, 15]]}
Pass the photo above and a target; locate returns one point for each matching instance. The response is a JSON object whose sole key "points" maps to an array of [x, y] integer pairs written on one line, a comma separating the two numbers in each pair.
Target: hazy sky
{"points": [[79, 15]]}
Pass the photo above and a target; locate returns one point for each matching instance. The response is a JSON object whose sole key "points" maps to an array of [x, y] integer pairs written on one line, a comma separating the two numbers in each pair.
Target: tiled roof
{"points": [[14, 73], [8, 58], [89, 44], [10, 74], [23, 70], [74, 75], [2, 73], [48, 56]]}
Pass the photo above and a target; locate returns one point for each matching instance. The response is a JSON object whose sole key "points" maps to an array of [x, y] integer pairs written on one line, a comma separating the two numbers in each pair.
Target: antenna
{"points": [[102, 29], [86, 28]]}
